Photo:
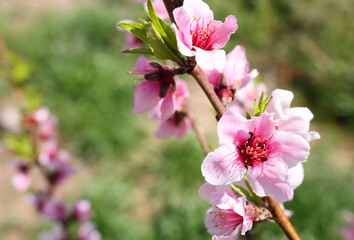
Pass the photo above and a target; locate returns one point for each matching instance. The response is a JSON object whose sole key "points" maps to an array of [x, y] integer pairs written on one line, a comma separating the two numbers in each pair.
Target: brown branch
{"points": [[208, 89], [281, 219]]}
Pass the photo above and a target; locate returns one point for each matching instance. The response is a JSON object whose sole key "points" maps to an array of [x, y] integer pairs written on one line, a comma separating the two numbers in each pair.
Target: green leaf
{"points": [[21, 146], [256, 111], [157, 45], [248, 116], [164, 32], [137, 29], [145, 51]]}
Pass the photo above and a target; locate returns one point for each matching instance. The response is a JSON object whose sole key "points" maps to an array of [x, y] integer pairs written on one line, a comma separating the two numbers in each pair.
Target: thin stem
{"points": [[208, 89], [273, 206], [281, 219], [200, 135]]}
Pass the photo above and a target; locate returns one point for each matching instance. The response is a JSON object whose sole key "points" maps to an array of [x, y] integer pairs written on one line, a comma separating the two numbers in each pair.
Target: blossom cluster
{"points": [[55, 166], [262, 145]]}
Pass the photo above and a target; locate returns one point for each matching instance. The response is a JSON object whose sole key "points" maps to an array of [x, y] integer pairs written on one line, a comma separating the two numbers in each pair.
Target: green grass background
{"points": [[142, 188]]}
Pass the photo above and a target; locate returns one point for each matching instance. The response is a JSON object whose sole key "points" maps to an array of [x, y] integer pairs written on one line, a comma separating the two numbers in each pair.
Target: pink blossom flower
{"points": [[229, 214], [296, 119], [56, 161], [88, 231], [130, 40], [21, 179], [54, 210], [179, 122], [47, 129], [348, 232], [57, 233], [82, 210], [199, 35], [256, 149], [234, 75], [252, 91], [157, 88], [159, 8]]}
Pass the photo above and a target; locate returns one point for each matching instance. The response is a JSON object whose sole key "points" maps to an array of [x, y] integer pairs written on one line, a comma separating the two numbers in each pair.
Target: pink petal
{"points": [[269, 179], [205, 190], [166, 130], [213, 76], [21, 181], [209, 60], [146, 96], [264, 124], [295, 176], [183, 34], [224, 32], [236, 67], [252, 75], [293, 148], [167, 107], [222, 166], [184, 42], [281, 100], [198, 8], [142, 66], [230, 123]]}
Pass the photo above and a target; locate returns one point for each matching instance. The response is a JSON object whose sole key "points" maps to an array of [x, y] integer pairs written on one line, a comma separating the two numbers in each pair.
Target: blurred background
{"points": [[67, 54]]}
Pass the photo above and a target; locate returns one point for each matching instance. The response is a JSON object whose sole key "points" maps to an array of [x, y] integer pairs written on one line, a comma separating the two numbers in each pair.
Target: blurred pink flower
{"points": [[57, 162], [82, 210], [157, 88], [348, 232], [234, 75], [254, 147], [56, 233], [296, 119], [159, 8], [179, 122], [229, 215], [199, 35], [54, 210], [21, 179], [88, 231], [245, 97]]}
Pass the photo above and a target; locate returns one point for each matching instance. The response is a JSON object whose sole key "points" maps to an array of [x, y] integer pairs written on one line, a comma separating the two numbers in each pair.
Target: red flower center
{"points": [[255, 150], [202, 33]]}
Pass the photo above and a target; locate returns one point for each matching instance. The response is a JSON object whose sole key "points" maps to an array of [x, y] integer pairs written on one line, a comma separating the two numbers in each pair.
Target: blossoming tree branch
{"points": [[263, 141]]}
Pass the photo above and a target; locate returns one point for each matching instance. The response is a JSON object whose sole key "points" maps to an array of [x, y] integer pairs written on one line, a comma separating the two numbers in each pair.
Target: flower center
{"points": [[255, 150], [225, 220], [202, 32]]}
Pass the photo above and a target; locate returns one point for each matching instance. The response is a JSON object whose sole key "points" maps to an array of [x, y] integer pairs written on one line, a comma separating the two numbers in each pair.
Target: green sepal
{"points": [[248, 116], [137, 29], [253, 198], [240, 191], [262, 105], [144, 51], [256, 111]]}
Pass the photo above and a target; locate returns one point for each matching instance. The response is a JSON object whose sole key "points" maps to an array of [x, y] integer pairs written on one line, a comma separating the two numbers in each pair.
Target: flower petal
{"points": [[198, 8], [230, 123], [222, 166], [224, 32], [146, 96], [209, 60], [295, 175], [293, 148], [167, 107], [269, 179]]}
